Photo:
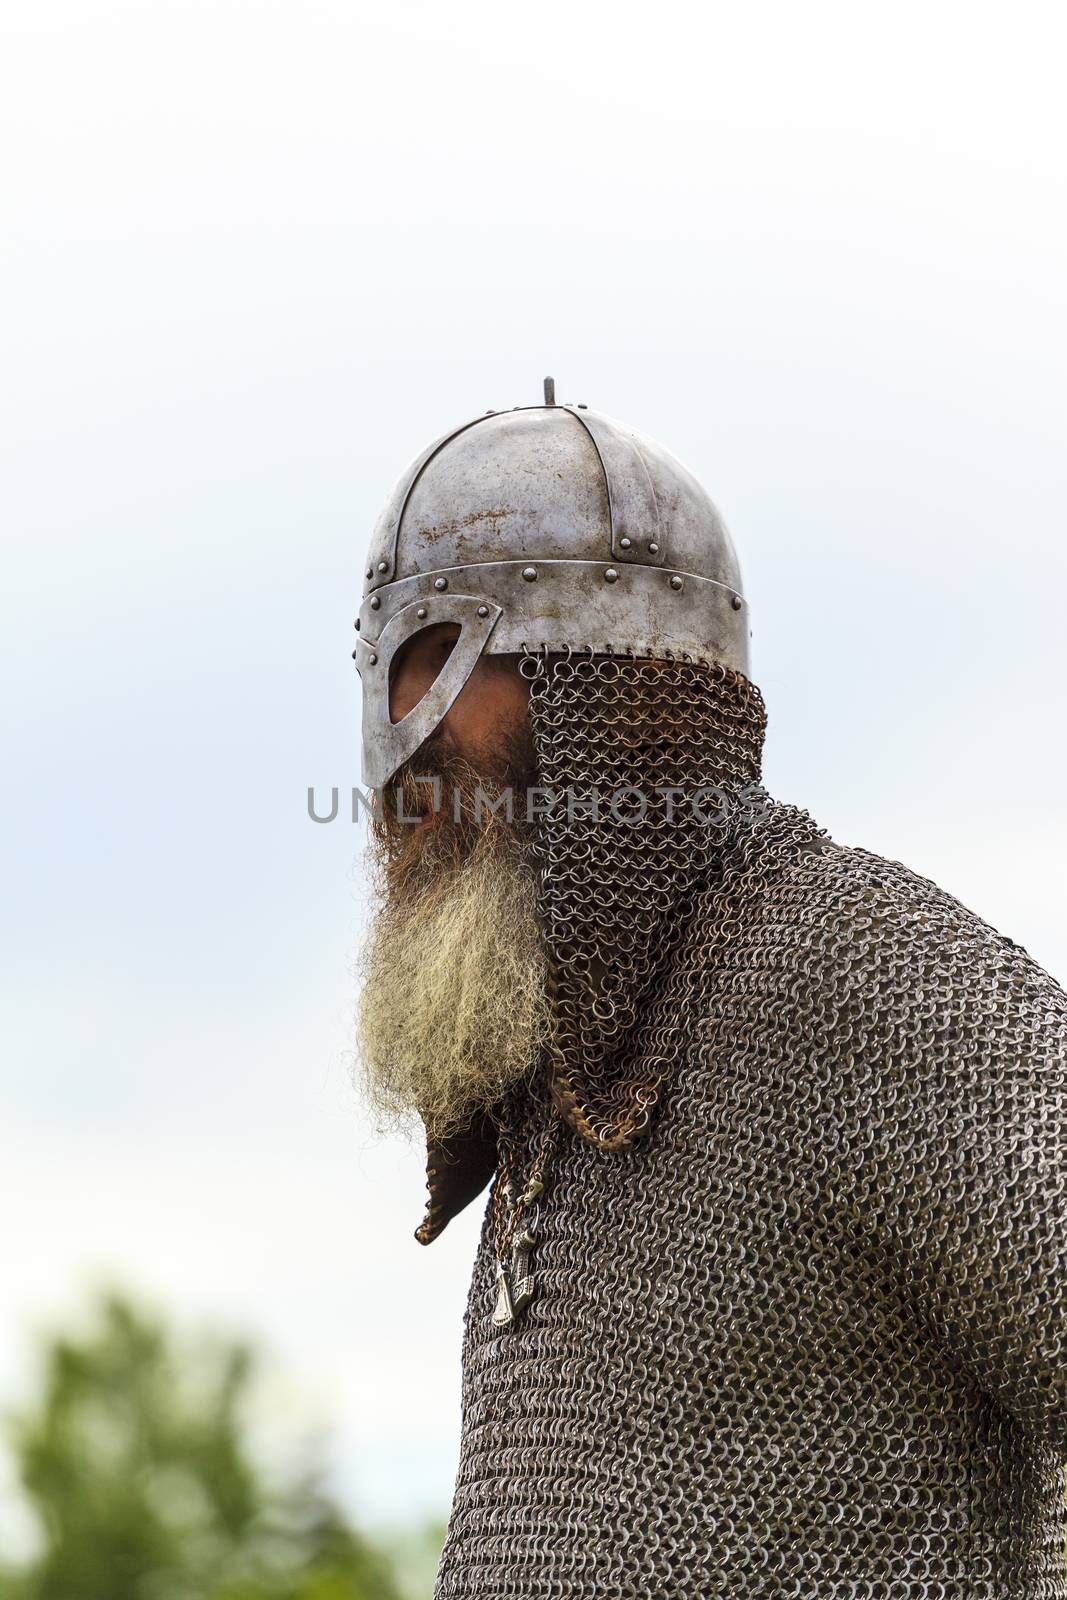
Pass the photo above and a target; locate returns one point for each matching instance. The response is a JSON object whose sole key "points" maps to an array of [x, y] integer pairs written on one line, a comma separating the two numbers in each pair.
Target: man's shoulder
{"points": [[848, 905]]}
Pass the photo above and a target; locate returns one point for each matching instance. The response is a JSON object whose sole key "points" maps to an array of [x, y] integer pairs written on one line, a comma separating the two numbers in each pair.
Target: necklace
{"points": [[515, 1282]]}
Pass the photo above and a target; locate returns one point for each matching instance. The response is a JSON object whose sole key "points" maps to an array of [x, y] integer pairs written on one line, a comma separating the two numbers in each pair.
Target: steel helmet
{"points": [[543, 528]]}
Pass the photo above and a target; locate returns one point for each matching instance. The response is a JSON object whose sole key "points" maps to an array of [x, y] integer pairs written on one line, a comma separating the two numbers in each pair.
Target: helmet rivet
{"points": [[676, 582], [624, 543], [373, 659], [440, 583], [653, 548], [610, 575], [383, 566], [421, 612], [355, 653], [370, 572], [736, 602], [483, 611], [357, 624], [529, 573], [375, 601]]}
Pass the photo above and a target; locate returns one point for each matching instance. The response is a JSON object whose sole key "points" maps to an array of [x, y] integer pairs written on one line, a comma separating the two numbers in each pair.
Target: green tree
{"points": [[135, 1462]]}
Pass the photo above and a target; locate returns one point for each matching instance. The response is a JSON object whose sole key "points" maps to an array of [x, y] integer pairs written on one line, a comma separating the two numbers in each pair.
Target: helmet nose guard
{"points": [[547, 527]]}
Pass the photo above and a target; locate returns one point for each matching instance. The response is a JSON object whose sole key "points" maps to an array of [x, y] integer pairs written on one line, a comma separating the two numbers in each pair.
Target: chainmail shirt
{"points": [[800, 1326]]}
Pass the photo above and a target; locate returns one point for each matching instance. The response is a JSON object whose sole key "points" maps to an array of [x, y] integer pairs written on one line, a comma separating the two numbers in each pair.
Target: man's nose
{"points": [[410, 682], [404, 694], [414, 672]]}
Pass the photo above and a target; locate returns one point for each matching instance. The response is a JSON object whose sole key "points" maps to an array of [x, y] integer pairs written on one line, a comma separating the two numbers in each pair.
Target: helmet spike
{"points": [[550, 391]]}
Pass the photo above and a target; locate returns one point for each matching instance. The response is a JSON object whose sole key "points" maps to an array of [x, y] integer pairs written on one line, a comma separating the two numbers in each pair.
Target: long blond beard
{"points": [[453, 1008]]}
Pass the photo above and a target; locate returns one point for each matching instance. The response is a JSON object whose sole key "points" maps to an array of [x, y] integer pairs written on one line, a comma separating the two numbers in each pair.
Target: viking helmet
{"points": [[543, 528]]}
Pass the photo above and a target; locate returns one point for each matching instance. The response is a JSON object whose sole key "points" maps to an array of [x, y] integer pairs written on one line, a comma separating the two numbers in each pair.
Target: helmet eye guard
{"points": [[387, 744]]}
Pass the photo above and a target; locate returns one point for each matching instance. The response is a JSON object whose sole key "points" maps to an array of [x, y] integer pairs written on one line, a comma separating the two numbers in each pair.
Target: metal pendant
{"points": [[515, 1283], [503, 1311]]}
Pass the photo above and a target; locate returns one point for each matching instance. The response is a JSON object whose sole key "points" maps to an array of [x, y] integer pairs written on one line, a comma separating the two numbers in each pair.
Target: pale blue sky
{"points": [[255, 257]]}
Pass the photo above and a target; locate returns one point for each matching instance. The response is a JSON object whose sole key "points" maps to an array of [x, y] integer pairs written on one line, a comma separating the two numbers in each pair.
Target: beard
{"points": [[454, 1008]]}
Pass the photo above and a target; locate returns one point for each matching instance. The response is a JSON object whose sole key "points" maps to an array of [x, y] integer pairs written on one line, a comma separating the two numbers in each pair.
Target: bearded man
{"points": [[770, 1296]]}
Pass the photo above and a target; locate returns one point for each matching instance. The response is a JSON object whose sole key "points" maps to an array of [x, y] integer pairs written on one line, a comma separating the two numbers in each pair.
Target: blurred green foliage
{"points": [[136, 1462]]}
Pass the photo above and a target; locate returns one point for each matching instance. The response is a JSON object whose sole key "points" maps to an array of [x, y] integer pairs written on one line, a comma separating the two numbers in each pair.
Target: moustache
{"points": [[444, 804], [440, 782]]}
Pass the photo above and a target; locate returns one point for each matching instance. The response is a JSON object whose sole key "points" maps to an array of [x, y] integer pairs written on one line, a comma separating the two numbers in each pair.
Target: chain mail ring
{"points": [[801, 1320], [648, 762]]}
